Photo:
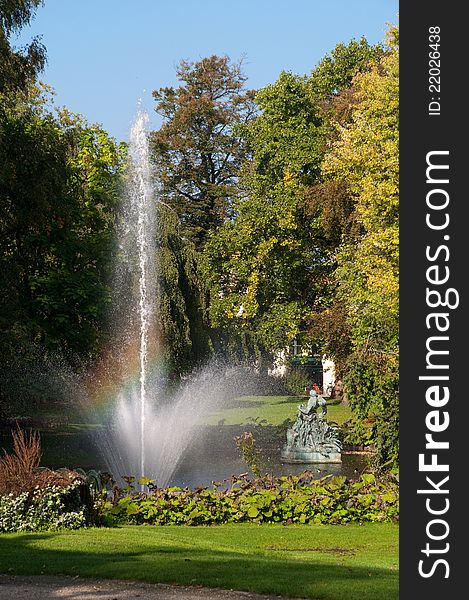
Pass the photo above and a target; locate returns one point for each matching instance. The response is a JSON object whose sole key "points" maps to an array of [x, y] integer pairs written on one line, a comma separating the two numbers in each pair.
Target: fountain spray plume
{"points": [[147, 428], [129, 381], [142, 207]]}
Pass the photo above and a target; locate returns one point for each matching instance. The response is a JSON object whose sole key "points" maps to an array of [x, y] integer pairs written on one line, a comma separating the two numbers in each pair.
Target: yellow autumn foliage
{"points": [[366, 156]]}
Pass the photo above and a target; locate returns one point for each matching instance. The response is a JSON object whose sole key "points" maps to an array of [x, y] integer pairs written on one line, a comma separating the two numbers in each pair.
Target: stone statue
{"points": [[312, 403], [312, 439]]}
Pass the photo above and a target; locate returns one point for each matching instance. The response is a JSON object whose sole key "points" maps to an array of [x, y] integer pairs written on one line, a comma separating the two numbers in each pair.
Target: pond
{"points": [[212, 455]]}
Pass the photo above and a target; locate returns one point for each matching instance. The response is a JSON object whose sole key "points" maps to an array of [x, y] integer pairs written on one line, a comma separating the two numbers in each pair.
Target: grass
{"points": [[246, 410], [270, 410], [322, 562]]}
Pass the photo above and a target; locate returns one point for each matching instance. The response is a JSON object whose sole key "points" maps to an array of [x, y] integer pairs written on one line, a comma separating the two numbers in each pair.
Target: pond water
{"points": [[193, 473], [211, 456]]}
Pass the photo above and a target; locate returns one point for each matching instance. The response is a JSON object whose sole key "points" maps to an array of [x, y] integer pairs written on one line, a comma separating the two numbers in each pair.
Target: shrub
{"points": [[246, 444], [297, 380], [50, 509], [356, 433], [33, 498], [372, 386], [288, 499]]}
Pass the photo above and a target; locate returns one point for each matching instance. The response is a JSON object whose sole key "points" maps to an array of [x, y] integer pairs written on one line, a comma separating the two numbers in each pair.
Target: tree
{"points": [[335, 72], [365, 157], [270, 267], [72, 295], [59, 180], [264, 267], [33, 176], [182, 302], [18, 68], [197, 150], [327, 201], [57, 195]]}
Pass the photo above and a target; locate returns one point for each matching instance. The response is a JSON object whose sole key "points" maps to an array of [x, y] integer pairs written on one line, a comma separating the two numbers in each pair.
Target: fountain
{"points": [[143, 198], [129, 374], [146, 425]]}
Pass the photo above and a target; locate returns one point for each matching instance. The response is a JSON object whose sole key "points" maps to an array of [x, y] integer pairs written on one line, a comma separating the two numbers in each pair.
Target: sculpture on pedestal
{"points": [[312, 439]]}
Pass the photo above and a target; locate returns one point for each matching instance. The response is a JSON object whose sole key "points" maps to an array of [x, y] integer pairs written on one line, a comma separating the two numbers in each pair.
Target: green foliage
{"points": [[58, 188], [292, 499], [182, 301], [269, 268], [197, 152], [16, 14], [356, 433], [336, 70], [255, 264], [256, 270], [44, 510], [18, 68], [365, 158], [373, 389], [33, 177], [296, 381], [285, 139], [246, 444], [73, 293]]}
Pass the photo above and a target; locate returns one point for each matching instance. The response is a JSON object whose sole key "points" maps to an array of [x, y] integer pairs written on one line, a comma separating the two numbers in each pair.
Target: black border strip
{"points": [[433, 272]]}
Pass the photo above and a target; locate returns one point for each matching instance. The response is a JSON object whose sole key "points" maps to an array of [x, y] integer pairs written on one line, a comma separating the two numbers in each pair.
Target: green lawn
{"points": [[245, 410], [321, 562], [270, 410]]}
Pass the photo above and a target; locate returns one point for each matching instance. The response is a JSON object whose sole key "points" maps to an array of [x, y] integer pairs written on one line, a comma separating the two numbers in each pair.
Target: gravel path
{"points": [[74, 588]]}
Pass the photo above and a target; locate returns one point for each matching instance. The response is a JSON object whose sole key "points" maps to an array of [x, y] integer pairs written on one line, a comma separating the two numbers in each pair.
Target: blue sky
{"points": [[105, 55]]}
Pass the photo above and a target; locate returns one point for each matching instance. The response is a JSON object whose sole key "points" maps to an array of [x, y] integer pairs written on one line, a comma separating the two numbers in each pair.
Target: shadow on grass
{"points": [[268, 572]]}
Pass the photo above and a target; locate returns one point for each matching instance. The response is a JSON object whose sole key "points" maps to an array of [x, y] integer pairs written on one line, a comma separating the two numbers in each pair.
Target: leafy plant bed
{"points": [[54, 508], [288, 499]]}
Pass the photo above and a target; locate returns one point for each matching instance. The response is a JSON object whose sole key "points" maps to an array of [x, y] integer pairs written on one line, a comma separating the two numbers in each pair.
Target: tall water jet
{"points": [[126, 378], [142, 198], [146, 425]]}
